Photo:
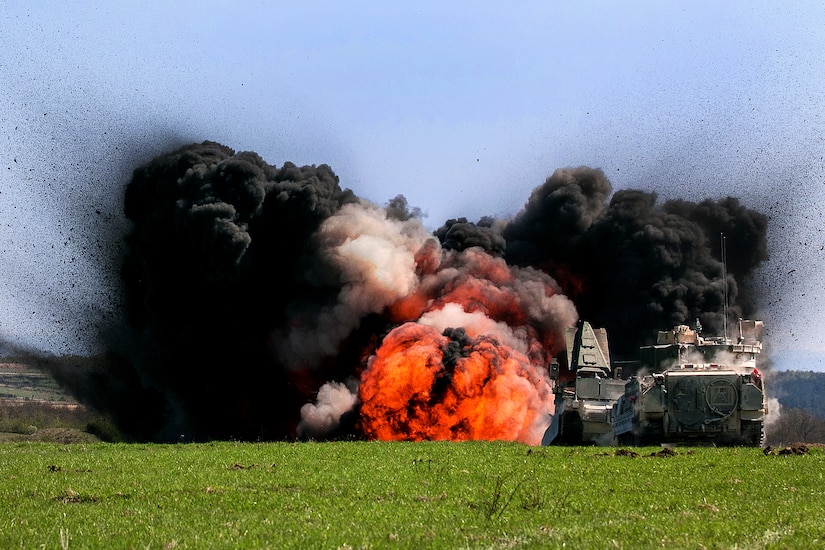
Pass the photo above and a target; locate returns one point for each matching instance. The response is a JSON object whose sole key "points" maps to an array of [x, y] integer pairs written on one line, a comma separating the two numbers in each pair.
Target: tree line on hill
{"points": [[801, 397], [795, 426], [799, 390]]}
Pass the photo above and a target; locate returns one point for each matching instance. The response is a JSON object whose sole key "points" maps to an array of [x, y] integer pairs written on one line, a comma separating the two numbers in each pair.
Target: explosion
{"points": [[473, 365], [270, 303], [423, 384]]}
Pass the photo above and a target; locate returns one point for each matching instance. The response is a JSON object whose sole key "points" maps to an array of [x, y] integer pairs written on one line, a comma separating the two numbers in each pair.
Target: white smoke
{"points": [[553, 310], [321, 418], [739, 362], [774, 412], [475, 324], [375, 259], [535, 294]]}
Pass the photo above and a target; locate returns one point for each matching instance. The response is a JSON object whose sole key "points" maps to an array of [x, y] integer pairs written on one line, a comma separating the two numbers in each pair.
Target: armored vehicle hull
{"points": [[695, 390]]}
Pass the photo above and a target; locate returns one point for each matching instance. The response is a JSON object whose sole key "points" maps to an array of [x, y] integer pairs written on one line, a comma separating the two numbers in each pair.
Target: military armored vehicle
{"points": [[585, 396], [695, 390]]}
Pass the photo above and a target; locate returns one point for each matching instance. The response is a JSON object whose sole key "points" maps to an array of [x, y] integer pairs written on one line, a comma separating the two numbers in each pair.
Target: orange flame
{"points": [[491, 393]]}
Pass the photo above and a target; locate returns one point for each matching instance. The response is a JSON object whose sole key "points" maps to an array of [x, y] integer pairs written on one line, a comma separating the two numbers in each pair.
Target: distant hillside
{"points": [[782, 360], [20, 381], [799, 390]]}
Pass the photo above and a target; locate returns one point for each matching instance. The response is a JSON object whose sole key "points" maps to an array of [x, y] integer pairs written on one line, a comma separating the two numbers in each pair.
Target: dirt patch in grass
{"points": [[796, 449]]}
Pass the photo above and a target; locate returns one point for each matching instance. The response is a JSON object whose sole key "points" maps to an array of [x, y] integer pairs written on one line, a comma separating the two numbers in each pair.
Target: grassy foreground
{"points": [[405, 495]]}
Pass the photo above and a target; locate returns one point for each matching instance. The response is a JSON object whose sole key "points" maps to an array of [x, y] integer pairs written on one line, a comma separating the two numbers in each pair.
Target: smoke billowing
{"points": [[270, 303], [633, 265]]}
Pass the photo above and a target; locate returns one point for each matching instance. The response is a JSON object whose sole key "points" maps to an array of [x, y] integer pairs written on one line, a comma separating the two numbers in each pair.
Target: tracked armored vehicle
{"points": [[695, 390], [584, 404]]}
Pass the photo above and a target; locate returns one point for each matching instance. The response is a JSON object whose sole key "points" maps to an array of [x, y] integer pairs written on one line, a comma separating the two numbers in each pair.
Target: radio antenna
{"points": [[725, 280]]}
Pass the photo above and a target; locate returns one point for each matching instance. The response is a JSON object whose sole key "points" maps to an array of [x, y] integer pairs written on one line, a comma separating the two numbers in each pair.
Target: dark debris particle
{"points": [[237, 466], [664, 453], [627, 452], [70, 496], [799, 449]]}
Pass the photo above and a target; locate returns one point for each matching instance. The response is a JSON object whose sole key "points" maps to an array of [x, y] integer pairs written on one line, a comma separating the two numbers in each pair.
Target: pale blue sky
{"points": [[463, 107]]}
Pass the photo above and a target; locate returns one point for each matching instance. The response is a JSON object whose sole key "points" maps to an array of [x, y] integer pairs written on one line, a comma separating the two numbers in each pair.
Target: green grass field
{"points": [[405, 495]]}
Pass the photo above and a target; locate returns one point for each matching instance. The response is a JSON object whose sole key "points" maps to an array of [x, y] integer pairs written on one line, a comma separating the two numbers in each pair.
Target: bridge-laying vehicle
{"points": [[584, 404]]}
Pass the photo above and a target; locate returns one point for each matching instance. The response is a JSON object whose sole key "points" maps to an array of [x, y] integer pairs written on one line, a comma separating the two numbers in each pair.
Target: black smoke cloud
{"points": [[633, 265], [461, 234], [218, 257], [245, 295]]}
